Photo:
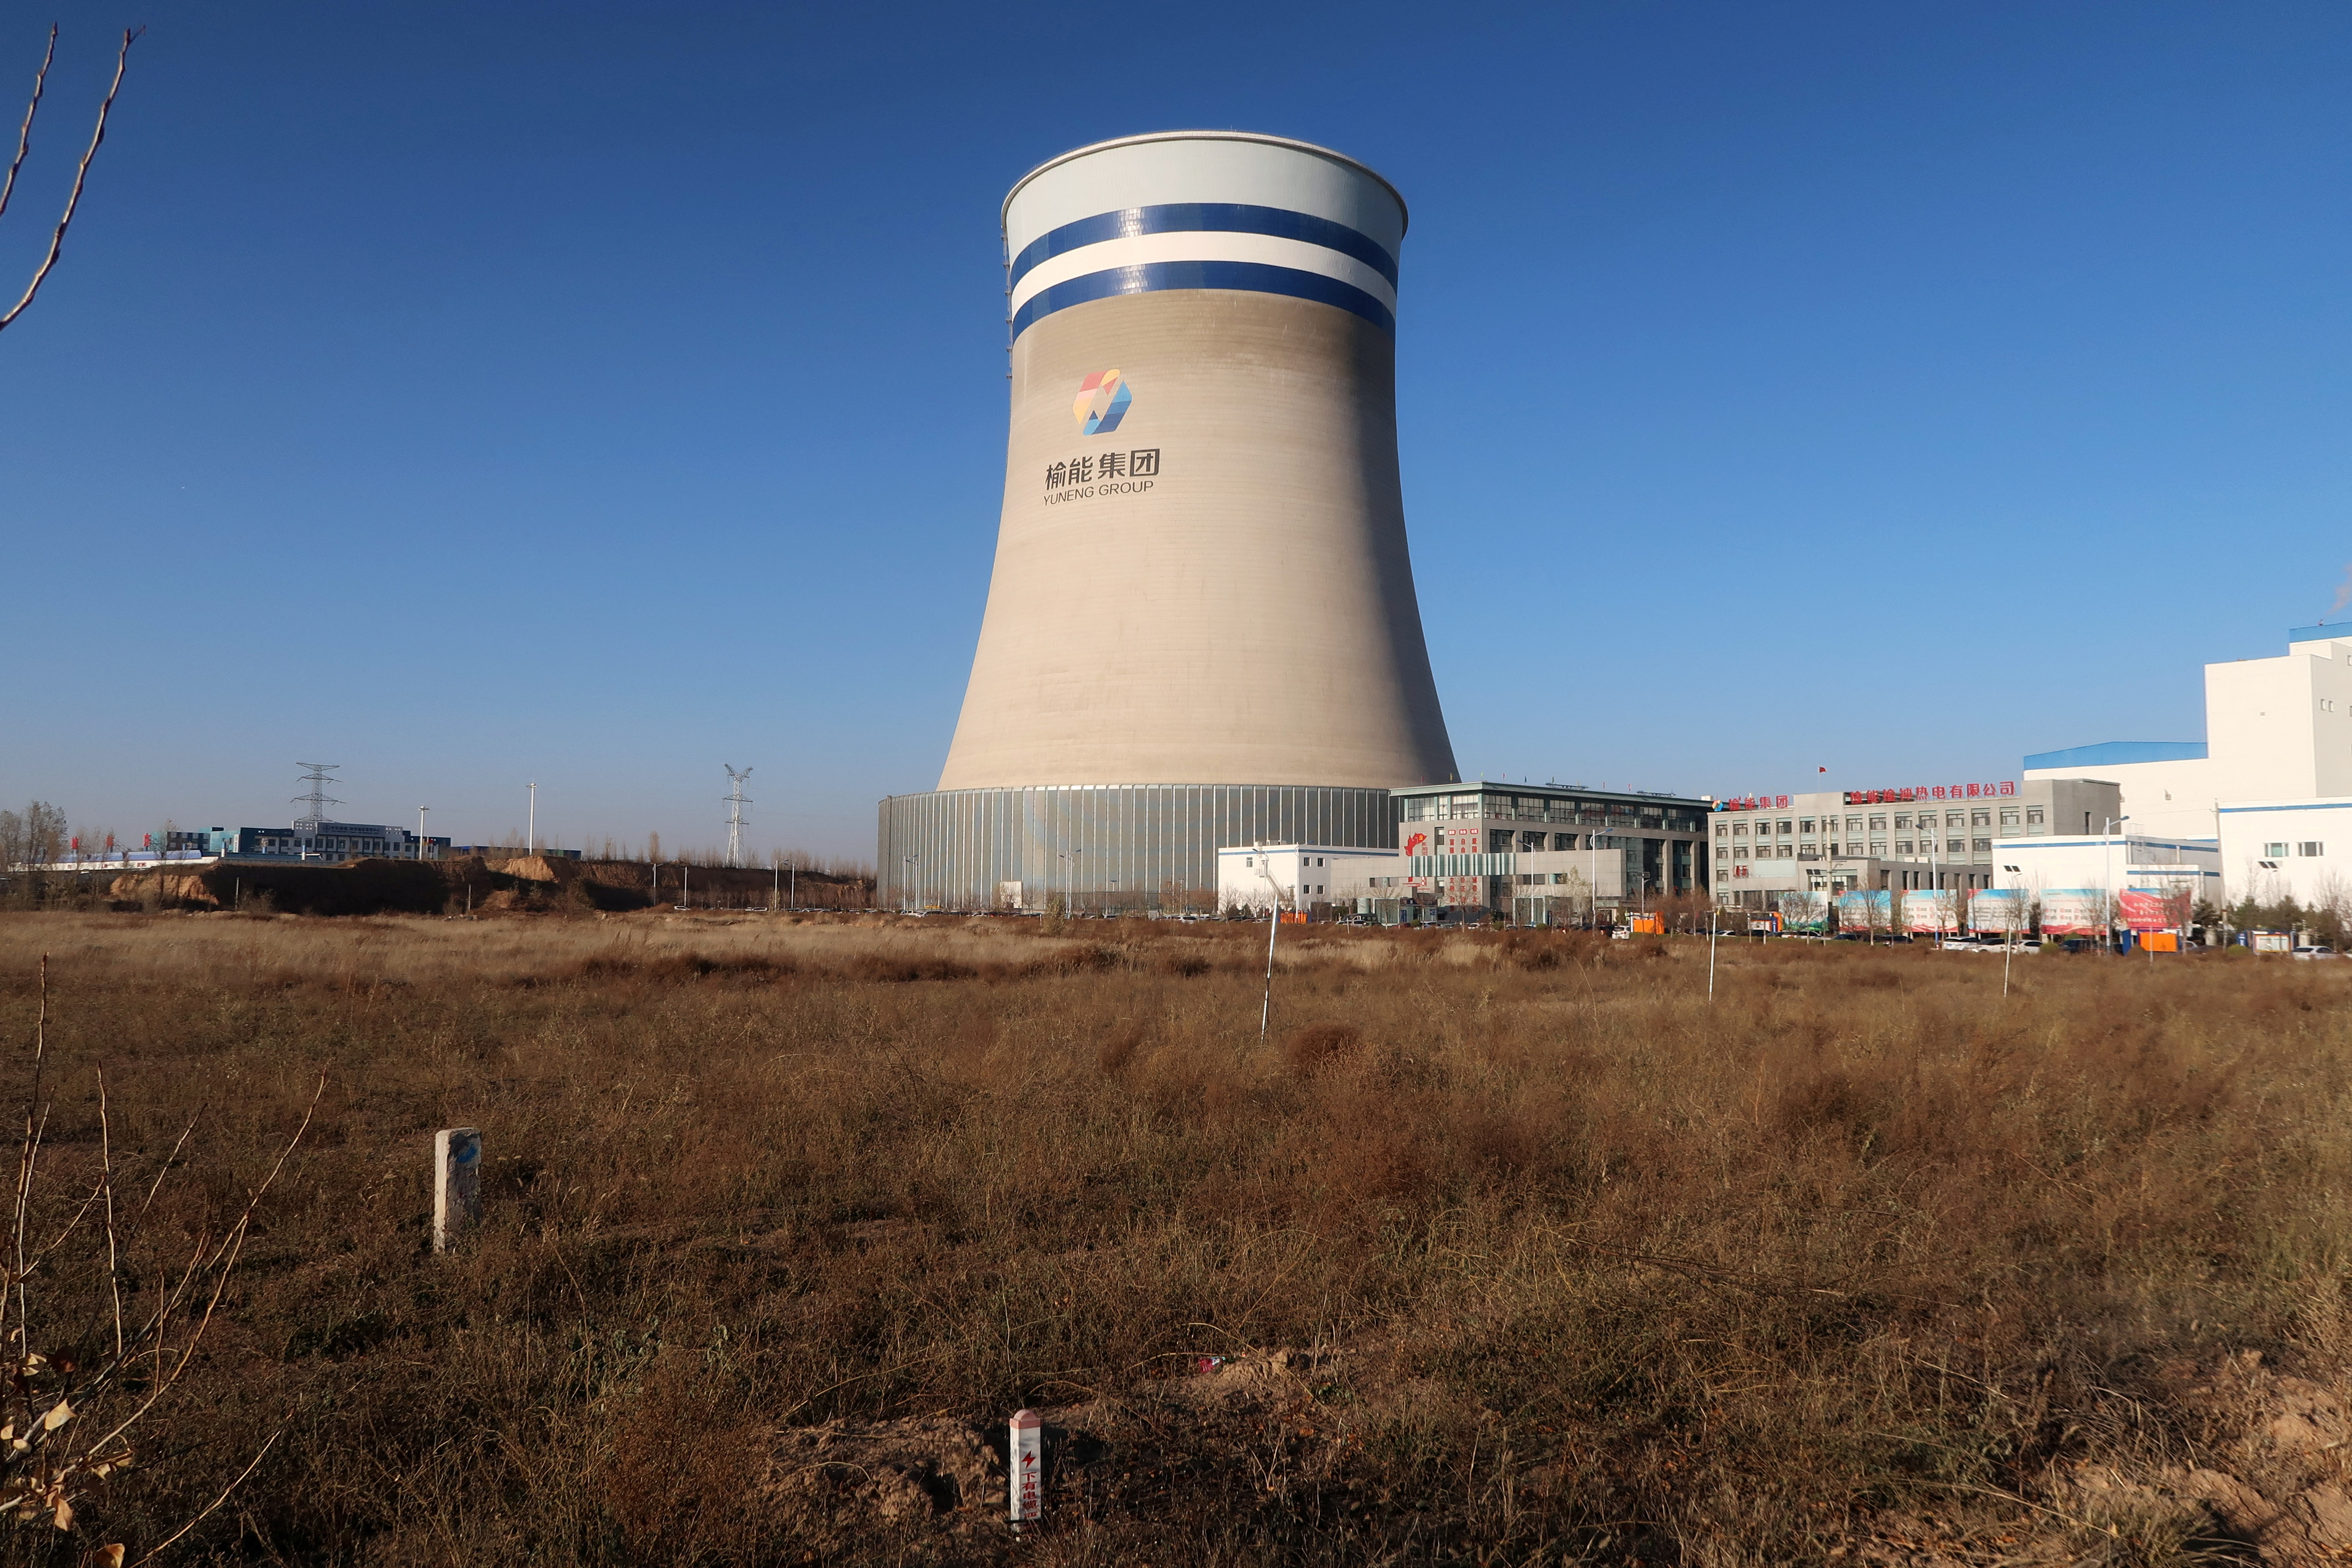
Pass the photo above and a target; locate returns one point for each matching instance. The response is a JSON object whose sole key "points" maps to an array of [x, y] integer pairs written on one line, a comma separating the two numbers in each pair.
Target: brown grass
{"points": [[1515, 1247]]}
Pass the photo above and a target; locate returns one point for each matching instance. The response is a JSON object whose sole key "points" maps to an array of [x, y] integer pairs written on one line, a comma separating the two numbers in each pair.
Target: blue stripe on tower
{"points": [[1244, 276], [1207, 217]]}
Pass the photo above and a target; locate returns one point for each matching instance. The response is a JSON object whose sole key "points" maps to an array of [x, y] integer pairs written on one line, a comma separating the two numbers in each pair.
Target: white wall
{"points": [[2250, 830], [1248, 877], [2173, 799], [2120, 861]]}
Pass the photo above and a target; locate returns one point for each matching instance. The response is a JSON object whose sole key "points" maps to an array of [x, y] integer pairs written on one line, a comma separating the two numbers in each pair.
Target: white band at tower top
{"points": [[1176, 167], [1204, 210]]}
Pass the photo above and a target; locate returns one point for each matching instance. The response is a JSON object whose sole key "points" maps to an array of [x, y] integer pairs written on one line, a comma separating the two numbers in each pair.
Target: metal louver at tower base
{"points": [[1200, 626]]}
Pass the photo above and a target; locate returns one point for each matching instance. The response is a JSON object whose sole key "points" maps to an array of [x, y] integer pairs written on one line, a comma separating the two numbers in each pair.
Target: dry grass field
{"points": [[1510, 1249]]}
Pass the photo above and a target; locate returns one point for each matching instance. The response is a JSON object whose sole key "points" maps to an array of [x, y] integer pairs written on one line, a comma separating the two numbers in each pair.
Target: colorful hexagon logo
{"points": [[1101, 402]]}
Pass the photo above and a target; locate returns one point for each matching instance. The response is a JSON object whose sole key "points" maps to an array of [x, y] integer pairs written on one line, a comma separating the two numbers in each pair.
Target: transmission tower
{"points": [[735, 801], [321, 775]]}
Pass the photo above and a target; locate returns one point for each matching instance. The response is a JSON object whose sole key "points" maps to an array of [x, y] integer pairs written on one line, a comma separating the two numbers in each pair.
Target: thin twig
{"points": [[219, 1501], [33, 107], [113, 1259], [165, 1168], [223, 1261], [24, 1161], [57, 240]]}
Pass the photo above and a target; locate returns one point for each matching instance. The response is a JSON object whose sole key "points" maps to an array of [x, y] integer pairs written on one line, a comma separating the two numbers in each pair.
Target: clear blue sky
{"points": [[475, 393]]}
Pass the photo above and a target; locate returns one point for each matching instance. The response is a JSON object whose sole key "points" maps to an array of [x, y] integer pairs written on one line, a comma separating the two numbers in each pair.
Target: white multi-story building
{"points": [[1926, 838], [2274, 850], [2277, 730]]}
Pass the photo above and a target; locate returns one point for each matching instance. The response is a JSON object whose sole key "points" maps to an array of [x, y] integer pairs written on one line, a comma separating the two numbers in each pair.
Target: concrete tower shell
{"points": [[1202, 616]]}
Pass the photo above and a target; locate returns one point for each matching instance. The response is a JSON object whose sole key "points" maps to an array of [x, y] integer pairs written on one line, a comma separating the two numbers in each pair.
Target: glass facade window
{"points": [[1155, 843], [2033, 816]]}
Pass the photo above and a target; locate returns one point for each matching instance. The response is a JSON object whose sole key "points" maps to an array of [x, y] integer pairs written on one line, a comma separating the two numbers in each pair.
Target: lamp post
{"points": [[530, 832], [420, 830], [2107, 893], [1070, 903], [906, 883]]}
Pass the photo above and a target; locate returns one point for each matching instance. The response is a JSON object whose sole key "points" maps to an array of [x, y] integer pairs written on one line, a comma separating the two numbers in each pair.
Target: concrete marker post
{"points": [[457, 1184], [1024, 1467]]}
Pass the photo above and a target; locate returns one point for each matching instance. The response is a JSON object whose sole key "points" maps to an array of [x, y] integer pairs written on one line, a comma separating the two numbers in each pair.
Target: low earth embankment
{"points": [[1507, 1248], [521, 884]]}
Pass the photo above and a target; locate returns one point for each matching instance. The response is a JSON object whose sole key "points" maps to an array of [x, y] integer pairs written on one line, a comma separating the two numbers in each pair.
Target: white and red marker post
{"points": [[1025, 1465]]}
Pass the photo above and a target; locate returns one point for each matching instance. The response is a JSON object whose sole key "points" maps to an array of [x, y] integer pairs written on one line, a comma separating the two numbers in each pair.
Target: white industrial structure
{"points": [[2110, 864], [1201, 627], [2275, 850], [1258, 877], [2276, 730]]}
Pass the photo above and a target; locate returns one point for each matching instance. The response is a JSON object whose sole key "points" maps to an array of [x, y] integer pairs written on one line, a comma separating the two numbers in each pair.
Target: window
{"points": [[1902, 821], [1739, 852], [2311, 847], [1983, 844], [1955, 846], [2033, 816], [1878, 846], [1787, 850], [1804, 824], [1739, 830], [2008, 817], [1721, 831], [1901, 845], [1853, 825], [2274, 851], [1784, 828], [1878, 825], [1981, 819]]}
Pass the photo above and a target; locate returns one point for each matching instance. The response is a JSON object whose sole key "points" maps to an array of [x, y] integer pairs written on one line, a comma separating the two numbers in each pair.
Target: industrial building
{"points": [[327, 842], [2274, 850], [2276, 729], [2072, 869], [1258, 877], [1920, 838], [1202, 627]]}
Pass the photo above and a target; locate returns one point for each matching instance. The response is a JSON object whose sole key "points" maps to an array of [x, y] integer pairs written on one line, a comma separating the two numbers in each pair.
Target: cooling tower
{"points": [[1201, 627]]}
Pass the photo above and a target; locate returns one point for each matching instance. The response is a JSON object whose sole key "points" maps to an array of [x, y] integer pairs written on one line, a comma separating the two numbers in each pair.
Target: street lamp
{"points": [[1070, 903], [906, 886], [2107, 855], [420, 830]]}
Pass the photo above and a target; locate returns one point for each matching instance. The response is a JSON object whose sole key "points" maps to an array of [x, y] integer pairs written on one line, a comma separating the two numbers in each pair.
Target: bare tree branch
{"points": [[57, 240], [24, 136]]}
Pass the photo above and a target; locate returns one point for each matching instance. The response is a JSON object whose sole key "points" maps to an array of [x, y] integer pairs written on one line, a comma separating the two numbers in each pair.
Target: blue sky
{"points": [[477, 394]]}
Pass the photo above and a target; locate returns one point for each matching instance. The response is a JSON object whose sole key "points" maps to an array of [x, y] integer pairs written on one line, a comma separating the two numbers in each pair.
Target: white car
{"points": [[2315, 952]]}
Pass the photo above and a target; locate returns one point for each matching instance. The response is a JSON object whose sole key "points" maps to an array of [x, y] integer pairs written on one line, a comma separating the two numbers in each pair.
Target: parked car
{"points": [[2315, 952]]}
